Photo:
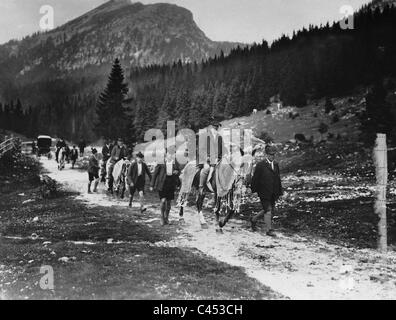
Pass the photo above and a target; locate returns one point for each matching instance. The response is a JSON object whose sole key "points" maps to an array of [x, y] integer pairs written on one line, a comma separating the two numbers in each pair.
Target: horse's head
{"points": [[242, 162]]}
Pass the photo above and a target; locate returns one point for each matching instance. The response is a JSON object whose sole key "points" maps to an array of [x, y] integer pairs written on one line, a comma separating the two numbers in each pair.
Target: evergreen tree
{"points": [[183, 106], [233, 100], [219, 101], [112, 118], [379, 117]]}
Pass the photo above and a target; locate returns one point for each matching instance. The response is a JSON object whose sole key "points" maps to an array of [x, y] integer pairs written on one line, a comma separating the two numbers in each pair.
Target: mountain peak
{"points": [[138, 34]]}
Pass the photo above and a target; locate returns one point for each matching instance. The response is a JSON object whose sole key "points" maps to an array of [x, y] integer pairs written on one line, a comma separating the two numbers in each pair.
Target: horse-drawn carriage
{"points": [[44, 144]]}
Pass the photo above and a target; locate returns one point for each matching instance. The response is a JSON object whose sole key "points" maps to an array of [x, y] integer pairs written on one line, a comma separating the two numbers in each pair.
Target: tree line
{"points": [[321, 61], [315, 62]]}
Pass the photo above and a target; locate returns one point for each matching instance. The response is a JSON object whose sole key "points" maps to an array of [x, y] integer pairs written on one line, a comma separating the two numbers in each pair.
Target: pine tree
{"points": [[183, 106], [219, 102], [168, 108], [19, 117], [112, 119], [233, 100], [197, 104], [379, 117]]}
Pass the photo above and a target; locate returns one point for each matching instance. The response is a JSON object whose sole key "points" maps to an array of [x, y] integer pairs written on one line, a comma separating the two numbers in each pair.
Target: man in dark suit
{"points": [[267, 183], [106, 153], [136, 179]]}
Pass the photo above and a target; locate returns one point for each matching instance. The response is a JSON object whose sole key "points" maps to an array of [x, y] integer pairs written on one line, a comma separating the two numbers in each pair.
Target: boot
{"points": [[202, 220], [143, 209], [130, 202], [162, 214], [254, 224], [167, 215], [96, 186], [162, 218], [89, 188], [268, 225], [268, 221]]}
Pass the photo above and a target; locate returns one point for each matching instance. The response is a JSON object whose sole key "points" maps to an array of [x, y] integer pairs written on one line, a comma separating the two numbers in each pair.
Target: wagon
{"points": [[44, 144]]}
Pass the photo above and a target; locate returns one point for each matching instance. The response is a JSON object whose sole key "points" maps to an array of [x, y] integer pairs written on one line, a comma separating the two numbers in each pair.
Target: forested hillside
{"points": [[322, 61]]}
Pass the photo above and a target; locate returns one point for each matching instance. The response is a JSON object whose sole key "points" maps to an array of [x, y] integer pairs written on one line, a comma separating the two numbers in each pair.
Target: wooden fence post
{"points": [[381, 170]]}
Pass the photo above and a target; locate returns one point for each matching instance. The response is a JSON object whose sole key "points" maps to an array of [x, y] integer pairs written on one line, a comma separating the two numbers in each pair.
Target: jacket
{"points": [[93, 165], [159, 176], [267, 182], [106, 152], [74, 154], [132, 175], [117, 154]]}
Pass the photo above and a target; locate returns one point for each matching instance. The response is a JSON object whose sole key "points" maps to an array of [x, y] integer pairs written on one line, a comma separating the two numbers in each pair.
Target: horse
{"points": [[62, 158], [228, 182], [119, 181]]}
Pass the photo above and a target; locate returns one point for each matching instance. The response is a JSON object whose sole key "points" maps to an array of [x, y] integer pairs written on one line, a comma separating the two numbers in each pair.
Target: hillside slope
{"points": [[135, 33]]}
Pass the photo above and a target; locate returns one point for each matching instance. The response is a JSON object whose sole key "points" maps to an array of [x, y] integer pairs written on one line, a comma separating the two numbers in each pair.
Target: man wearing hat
{"points": [[136, 179], [93, 171], [266, 182]]}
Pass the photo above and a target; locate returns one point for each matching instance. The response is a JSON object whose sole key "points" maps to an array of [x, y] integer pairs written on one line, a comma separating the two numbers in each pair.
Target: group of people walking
{"points": [[266, 181], [64, 154], [164, 179]]}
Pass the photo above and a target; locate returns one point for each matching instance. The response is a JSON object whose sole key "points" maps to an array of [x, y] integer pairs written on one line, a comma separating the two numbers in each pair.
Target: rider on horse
{"points": [[118, 153]]}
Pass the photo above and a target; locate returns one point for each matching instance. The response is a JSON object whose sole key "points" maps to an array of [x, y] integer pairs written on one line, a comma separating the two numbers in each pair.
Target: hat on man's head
{"points": [[271, 150], [140, 155], [120, 140]]}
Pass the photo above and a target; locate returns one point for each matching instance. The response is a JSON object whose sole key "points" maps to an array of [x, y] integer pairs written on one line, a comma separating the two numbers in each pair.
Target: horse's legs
{"points": [[217, 215], [122, 190], [229, 211], [181, 212], [200, 200]]}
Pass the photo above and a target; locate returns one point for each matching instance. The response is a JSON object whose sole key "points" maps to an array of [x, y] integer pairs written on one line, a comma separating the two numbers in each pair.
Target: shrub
{"points": [[329, 106], [266, 137]]}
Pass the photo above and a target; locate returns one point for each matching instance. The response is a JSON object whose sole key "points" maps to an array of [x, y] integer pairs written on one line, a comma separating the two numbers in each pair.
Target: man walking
{"points": [[267, 184], [106, 153], [136, 179], [165, 180], [74, 156], [93, 171], [82, 145]]}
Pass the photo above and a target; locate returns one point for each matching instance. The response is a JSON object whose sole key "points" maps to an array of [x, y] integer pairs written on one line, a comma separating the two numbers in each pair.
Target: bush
{"points": [[336, 119], [329, 106], [266, 137]]}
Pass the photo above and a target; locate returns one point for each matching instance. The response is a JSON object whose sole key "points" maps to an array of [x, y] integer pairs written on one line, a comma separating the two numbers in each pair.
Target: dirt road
{"points": [[295, 266]]}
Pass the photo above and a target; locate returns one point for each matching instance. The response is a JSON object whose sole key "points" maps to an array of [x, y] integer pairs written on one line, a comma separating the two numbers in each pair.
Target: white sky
{"points": [[223, 20]]}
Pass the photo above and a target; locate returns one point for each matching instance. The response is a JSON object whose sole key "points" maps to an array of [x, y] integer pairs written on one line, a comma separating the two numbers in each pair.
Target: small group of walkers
{"points": [[266, 180], [164, 179], [64, 154]]}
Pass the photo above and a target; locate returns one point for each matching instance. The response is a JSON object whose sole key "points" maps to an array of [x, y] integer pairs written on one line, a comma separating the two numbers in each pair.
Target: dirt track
{"points": [[295, 266]]}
